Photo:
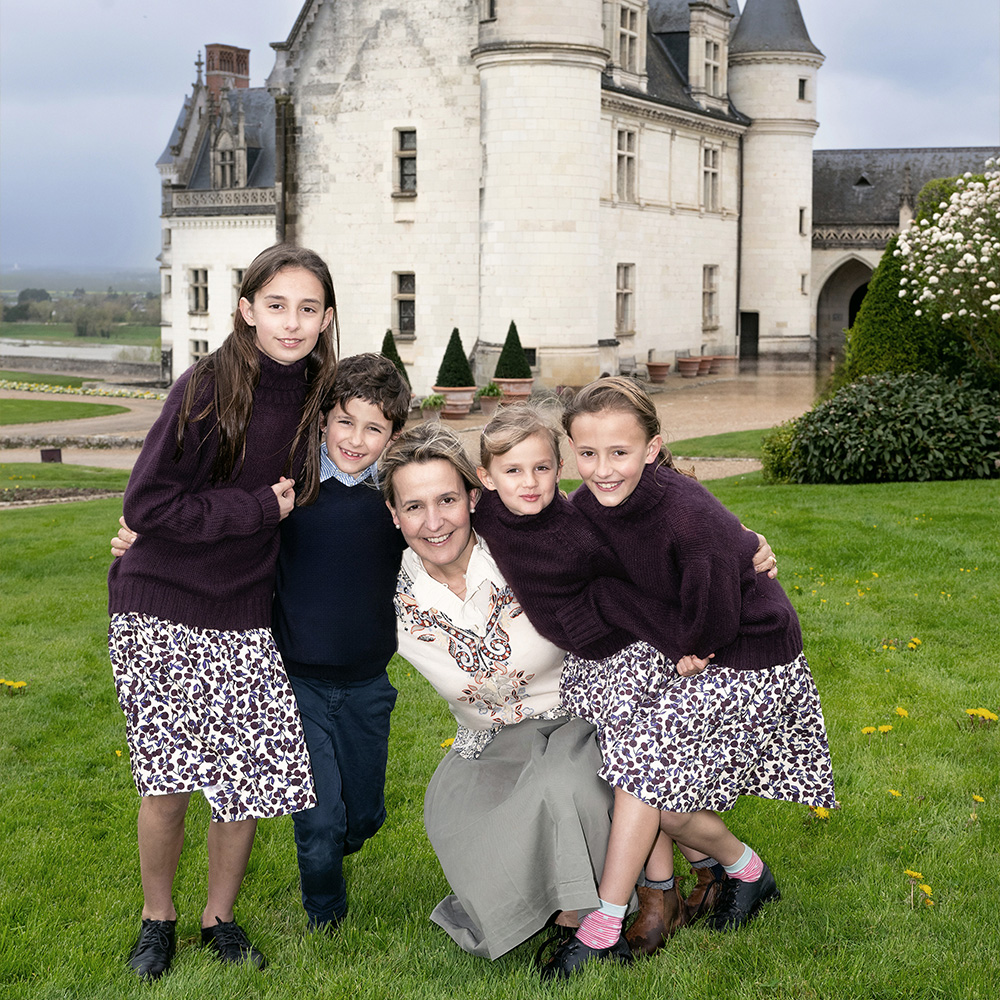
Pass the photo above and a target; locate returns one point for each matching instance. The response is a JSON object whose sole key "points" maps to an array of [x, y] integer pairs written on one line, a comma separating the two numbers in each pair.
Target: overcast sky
{"points": [[90, 89]]}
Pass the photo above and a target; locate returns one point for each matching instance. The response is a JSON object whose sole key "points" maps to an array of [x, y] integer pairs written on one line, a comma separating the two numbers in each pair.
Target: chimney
{"points": [[226, 66]]}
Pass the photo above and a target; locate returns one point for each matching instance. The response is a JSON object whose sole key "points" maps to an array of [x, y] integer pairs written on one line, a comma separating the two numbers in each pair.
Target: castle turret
{"points": [[772, 79], [543, 161]]}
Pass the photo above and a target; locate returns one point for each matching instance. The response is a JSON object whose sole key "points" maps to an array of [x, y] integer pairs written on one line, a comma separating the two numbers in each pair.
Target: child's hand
{"points": [[122, 542], [285, 492], [691, 664]]}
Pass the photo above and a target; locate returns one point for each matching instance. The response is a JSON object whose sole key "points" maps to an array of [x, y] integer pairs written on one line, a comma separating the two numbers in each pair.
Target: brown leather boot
{"points": [[702, 898], [661, 912]]}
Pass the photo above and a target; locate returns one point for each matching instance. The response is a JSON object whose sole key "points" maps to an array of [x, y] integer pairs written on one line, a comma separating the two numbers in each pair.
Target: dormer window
{"points": [[713, 74], [628, 38], [227, 168]]}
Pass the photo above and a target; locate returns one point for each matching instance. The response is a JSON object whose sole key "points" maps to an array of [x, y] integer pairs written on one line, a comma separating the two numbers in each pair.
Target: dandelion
{"points": [[118, 753], [912, 874], [820, 812], [895, 794], [868, 730], [978, 798], [884, 729], [447, 743], [902, 713]]}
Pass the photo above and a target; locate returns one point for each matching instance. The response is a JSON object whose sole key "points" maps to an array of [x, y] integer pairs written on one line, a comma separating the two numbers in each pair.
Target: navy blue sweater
{"points": [[337, 567]]}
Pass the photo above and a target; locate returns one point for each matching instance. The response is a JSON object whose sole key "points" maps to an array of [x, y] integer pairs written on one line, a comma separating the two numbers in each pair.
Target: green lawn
{"points": [[864, 565], [65, 333], [735, 444], [43, 378], [36, 411], [21, 475]]}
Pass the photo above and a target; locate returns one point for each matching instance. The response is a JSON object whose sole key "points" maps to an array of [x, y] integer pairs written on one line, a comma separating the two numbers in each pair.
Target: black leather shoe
{"points": [[739, 902], [572, 954], [230, 943], [154, 948]]}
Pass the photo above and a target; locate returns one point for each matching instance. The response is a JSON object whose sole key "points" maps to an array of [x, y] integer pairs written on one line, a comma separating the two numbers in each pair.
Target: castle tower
{"points": [[543, 160], [772, 79], [226, 66]]}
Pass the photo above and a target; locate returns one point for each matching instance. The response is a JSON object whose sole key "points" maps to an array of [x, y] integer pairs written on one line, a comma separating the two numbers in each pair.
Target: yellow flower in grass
{"points": [[118, 753], [902, 712], [906, 871], [894, 793], [447, 743], [928, 902], [978, 798], [926, 890], [868, 730], [884, 729], [820, 812]]}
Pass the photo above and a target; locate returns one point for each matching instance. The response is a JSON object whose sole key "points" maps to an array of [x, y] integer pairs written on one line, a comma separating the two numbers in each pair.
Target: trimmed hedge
{"points": [[910, 426], [512, 363], [390, 351], [455, 372]]}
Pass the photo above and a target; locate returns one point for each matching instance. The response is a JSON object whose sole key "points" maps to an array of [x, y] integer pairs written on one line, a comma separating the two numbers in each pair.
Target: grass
{"points": [[735, 444], [65, 333], [36, 411], [863, 564], [16, 475], [43, 378]]}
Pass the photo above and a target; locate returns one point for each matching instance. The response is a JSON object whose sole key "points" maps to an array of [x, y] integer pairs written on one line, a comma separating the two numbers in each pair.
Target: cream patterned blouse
{"points": [[480, 653]]}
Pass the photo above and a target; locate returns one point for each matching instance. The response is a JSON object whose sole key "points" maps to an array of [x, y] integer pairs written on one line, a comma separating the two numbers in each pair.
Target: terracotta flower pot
{"points": [[657, 370], [723, 364], [705, 364], [457, 400], [489, 404], [514, 388], [688, 367], [430, 413]]}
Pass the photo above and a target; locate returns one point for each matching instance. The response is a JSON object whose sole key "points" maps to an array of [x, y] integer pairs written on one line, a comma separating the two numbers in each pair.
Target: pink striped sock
{"points": [[599, 930], [751, 871]]}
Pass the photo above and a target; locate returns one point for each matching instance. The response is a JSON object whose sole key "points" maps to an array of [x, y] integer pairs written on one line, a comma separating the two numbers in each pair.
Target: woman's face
{"points": [[432, 510]]}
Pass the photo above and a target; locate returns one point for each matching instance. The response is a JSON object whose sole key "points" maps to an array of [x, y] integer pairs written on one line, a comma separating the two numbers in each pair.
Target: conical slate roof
{"points": [[772, 26]]}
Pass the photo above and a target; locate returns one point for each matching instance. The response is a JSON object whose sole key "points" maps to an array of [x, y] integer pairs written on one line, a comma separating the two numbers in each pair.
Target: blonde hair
{"points": [[424, 443], [513, 424], [623, 395]]}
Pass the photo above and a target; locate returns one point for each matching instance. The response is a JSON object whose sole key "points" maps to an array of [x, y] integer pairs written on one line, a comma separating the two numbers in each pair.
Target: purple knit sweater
{"points": [[206, 553], [678, 542], [567, 579]]}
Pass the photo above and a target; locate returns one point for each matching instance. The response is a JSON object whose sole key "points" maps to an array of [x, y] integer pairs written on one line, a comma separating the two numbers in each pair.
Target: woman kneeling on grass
{"points": [[207, 704]]}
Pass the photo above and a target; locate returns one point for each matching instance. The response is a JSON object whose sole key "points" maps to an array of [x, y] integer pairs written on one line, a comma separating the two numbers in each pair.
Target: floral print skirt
{"points": [[689, 743], [210, 711]]}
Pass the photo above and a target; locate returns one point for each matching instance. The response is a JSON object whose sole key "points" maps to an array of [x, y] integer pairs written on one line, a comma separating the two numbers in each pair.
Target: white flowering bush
{"points": [[950, 264], [70, 390]]}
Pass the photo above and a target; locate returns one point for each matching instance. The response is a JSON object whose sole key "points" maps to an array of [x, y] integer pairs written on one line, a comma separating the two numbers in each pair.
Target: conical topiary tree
{"points": [[389, 351], [512, 363], [454, 371]]}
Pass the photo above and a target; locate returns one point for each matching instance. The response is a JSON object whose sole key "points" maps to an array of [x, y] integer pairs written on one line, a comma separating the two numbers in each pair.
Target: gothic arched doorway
{"points": [[837, 306]]}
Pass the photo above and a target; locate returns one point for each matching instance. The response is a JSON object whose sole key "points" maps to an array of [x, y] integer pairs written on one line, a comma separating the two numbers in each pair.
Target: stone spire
{"points": [[772, 26]]}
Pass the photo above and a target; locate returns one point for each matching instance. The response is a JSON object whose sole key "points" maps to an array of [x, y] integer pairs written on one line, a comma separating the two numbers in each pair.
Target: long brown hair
{"points": [[235, 371]]}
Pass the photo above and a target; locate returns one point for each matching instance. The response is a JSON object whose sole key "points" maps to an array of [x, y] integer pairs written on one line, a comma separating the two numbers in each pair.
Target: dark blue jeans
{"points": [[347, 732]]}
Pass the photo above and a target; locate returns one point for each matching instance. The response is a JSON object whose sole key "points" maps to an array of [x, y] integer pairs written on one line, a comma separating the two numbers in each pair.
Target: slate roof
{"points": [[675, 15], [175, 136], [862, 186], [772, 26]]}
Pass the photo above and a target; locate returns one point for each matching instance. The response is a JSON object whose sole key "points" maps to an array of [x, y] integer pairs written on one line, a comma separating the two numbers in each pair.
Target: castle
{"points": [[628, 180]]}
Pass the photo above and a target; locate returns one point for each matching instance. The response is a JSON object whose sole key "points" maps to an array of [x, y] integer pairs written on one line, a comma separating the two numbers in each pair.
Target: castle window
{"points": [[712, 68], [166, 237], [710, 179], [804, 284], [198, 281], [404, 305], [625, 172], [198, 349], [227, 168], [406, 161], [168, 284], [710, 296], [802, 222], [487, 10], [802, 88], [625, 299], [628, 38]]}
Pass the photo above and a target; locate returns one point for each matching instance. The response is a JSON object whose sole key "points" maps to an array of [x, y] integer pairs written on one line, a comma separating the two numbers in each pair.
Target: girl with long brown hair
{"points": [[207, 704]]}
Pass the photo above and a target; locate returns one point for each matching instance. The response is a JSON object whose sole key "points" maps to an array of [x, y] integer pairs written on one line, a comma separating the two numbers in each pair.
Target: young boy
{"points": [[335, 627]]}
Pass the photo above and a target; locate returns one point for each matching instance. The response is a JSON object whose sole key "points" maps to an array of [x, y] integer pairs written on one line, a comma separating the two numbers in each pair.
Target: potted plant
{"points": [[455, 381], [657, 370], [489, 398], [430, 406], [513, 373], [389, 351]]}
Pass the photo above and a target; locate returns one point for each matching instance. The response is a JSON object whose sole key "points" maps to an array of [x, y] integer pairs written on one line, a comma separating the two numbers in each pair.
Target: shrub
{"points": [[455, 371], [512, 362], [491, 390], [776, 453], [911, 426], [389, 351]]}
